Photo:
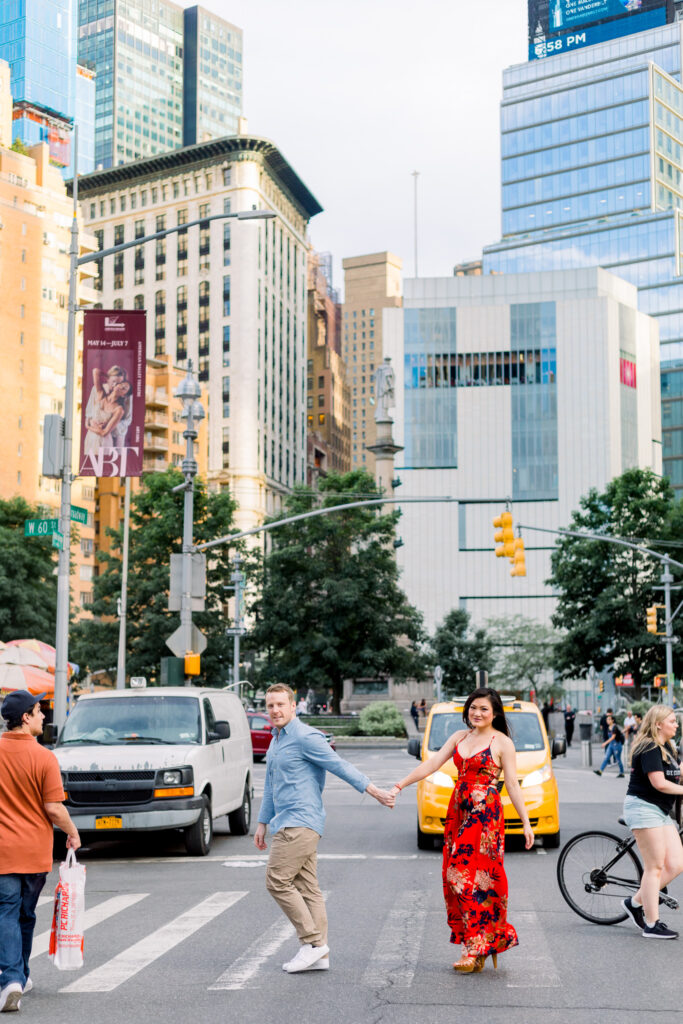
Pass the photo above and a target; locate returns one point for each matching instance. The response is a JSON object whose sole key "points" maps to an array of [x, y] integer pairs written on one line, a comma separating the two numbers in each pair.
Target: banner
{"points": [[113, 400], [559, 25]]}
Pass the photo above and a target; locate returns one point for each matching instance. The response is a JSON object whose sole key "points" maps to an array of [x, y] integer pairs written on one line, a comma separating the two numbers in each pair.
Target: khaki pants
{"points": [[291, 879]]}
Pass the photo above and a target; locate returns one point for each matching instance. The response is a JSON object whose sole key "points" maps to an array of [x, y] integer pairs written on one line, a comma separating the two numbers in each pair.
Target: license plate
{"points": [[112, 821]]}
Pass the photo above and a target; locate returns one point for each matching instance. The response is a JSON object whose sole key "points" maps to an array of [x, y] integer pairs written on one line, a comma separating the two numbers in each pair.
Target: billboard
{"points": [[556, 26], [113, 400]]}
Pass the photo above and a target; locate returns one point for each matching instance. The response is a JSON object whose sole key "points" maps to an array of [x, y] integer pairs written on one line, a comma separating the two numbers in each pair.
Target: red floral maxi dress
{"points": [[474, 882]]}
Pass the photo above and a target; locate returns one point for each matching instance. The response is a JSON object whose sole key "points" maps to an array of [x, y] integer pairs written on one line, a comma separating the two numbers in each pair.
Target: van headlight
{"points": [[538, 777], [441, 779], [172, 778]]}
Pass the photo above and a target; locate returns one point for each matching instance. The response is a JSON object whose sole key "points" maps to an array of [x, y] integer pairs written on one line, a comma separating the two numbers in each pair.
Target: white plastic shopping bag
{"points": [[66, 936]]}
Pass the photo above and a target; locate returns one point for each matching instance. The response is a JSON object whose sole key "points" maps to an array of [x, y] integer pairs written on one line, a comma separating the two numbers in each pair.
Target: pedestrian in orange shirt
{"points": [[32, 795]]}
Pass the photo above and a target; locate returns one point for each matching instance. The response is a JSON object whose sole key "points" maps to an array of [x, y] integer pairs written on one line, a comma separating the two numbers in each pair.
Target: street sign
{"points": [[79, 515], [626, 680], [175, 642], [40, 527], [198, 583], [58, 540], [438, 674]]}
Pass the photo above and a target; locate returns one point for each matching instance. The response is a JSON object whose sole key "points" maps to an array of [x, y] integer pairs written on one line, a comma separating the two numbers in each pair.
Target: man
{"points": [[629, 733], [604, 725], [292, 806], [569, 717], [32, 795]]}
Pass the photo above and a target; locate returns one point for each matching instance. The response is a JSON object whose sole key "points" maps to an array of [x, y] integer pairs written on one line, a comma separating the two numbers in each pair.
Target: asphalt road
{"points": [[174, 939]]}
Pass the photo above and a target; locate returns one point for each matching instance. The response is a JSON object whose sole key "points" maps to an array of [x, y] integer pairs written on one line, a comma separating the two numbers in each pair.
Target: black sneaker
{"points": [[596, 771], [658, 931], [621, 775], [635, 913]]}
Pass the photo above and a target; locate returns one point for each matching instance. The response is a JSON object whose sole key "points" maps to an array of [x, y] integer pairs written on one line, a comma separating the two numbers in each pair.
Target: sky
{"points": [[357, 96]]}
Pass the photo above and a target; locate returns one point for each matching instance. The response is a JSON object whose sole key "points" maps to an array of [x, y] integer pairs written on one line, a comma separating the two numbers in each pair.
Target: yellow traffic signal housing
{"points": [[192, 664], [651, 618], [519, 559], [601, 685], [505, 536]]}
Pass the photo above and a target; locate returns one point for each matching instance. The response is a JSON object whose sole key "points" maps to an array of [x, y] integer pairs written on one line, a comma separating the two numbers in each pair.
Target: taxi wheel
{"points": [[425, 840], [552, 841]]}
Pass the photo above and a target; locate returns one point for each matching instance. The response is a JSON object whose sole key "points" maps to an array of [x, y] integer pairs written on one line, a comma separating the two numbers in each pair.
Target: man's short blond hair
{"points": [[282, 688]]}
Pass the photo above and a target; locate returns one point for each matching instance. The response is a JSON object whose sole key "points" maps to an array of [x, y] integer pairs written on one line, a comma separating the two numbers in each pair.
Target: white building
{"points": [[531, 388], [230, 295]]}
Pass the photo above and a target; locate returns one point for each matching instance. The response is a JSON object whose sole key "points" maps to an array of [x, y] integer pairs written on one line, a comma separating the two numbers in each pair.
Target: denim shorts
{"points": [[642, 814]]}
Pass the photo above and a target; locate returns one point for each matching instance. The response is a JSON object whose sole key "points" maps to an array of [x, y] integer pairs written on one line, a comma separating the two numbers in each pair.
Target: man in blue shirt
{"points": [[292, 806]]}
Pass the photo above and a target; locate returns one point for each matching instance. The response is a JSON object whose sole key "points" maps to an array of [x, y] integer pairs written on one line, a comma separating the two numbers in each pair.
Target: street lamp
{"points": [[188, 391], [64, 564]]}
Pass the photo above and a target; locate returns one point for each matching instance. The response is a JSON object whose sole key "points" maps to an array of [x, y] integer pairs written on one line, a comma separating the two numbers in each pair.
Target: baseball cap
{"points": [[19, 702]]}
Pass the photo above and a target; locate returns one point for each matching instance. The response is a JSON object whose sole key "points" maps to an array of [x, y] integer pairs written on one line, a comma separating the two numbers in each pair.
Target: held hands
{"points": [[381, 795]]}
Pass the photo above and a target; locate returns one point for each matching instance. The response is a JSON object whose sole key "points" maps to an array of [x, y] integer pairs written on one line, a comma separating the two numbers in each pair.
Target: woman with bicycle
{"points": [[652, 791]]}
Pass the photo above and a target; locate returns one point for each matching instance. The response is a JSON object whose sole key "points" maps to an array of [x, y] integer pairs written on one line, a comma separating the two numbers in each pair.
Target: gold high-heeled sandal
{"points": [[481, 960], [469, 965]]}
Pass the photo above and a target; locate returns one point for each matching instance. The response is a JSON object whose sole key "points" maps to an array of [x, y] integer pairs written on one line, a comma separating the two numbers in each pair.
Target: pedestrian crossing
{"points": [[401, 947]]}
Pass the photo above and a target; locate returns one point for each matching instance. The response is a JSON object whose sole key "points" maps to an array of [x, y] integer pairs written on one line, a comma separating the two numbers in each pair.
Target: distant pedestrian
{"points": [[604, 727], [297, 760], [652, 790], [415, 714], [569, 717], [545, 712], [614, 744], [32, 795], [423, 707], [629, 734], [302, 707]]}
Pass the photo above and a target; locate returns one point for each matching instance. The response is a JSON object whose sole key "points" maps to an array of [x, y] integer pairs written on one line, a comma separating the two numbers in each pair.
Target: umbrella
{"points": [[22, 656], [46, 652], [26, 677]]}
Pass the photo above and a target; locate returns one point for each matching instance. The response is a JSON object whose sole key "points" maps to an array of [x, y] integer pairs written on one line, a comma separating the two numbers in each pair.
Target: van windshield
{"points": [[111, 721], [524, 726]]}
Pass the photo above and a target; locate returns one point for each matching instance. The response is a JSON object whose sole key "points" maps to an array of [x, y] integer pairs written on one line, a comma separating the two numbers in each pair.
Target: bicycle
{"points": [[596, 868]]}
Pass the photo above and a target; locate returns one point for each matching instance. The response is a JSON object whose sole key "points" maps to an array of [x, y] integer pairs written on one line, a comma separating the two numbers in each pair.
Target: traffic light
{"points": [[192, 664], [505, 535], [601, 686], [519, 559], [651, 616]]}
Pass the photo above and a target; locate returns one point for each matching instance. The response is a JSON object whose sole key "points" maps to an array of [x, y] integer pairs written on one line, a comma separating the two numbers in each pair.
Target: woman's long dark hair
{"points": [[491, 695]]}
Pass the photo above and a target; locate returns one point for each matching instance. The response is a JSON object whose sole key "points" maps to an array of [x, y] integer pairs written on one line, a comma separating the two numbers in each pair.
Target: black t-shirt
{"points": [[650, 759]]}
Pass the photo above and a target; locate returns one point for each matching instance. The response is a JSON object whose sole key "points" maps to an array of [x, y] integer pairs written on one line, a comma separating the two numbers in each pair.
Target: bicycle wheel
{"points": [[595, 872]]}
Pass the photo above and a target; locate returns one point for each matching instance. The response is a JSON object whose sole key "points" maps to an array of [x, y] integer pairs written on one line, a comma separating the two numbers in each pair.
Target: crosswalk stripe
{"points": [[132, 960], [539, 969], [246, 966], [396, 952], [92, 916]]}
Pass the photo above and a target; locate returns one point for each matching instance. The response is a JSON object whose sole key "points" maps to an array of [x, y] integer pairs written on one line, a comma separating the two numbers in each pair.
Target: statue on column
{"points": [[385, 380]]}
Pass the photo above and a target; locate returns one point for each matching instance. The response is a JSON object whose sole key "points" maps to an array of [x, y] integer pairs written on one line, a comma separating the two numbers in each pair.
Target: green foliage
{"points": [[156, 529], [329, 606], [640, 707], [28, 584], [524, 651], [461, 651], [604, 589], [18, 146], [381, 719]]}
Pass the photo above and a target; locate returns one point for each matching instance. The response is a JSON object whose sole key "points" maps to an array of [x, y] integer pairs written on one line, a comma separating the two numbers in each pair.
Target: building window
{"points": [[227, 175], [321, 418], [182, 244], [139, 302], [226, 295], [226, 447], [226, 245], [226, 344], [226, 398]]}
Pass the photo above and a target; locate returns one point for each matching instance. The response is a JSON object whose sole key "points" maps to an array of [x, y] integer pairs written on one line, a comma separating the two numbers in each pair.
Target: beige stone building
{"points": [[371, 283], [35, 228]]}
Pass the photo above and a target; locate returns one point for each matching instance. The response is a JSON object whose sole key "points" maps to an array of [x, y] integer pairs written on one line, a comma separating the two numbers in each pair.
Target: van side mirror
{"points": [[222, 730], [559, 747], [50, 734], [414, 748]]}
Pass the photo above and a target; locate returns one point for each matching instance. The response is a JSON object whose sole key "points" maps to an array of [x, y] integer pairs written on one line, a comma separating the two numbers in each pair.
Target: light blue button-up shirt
{"points": [[296, 762]]}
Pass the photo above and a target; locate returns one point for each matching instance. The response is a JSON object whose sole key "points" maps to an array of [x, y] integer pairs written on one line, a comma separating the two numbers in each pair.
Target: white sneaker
{"points": [[323, 964], [28, 986], [305, 958], [10, 997]]}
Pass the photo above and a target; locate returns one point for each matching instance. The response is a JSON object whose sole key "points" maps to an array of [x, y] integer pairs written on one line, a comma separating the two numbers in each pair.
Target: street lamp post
{"points": [[188, 391], [64, 564]]}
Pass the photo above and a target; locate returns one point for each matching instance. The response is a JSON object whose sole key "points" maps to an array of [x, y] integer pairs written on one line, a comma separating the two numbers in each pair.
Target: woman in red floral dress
{"points": [[474, 881]]}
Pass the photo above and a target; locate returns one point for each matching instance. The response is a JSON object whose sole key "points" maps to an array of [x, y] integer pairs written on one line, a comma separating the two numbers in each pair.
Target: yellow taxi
{"points": [[534, 771]]}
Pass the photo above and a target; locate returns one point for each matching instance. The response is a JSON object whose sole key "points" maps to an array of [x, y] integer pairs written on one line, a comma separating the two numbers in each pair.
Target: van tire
{"points": [[240, 820], [552, 841], [198, 837], [425, 840]]}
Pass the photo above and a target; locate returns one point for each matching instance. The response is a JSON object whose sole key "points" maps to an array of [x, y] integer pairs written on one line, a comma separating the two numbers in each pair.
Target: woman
{"points": [[105, 410], [474, 881], [415, 714], [652, 790], [613, 746]]}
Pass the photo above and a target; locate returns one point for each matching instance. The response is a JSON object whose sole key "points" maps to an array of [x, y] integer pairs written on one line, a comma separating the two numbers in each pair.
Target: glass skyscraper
{"points": [[38, 41], [166, 76], [592, 175]]}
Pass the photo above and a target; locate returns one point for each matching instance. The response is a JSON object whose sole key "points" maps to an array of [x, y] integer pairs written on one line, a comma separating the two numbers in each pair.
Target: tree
{"points": [[461, 651], [603, 589], [524, 656], [329, 606], [156, 531], [28, 584], [18, 146]]}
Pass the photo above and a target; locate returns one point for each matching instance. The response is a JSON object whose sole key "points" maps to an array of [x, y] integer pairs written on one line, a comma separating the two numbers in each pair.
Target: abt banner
{"points": [[113, 401]]}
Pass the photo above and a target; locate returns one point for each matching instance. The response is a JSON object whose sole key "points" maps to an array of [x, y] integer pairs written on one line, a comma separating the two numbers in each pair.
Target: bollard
{"points": [[586, 753]]}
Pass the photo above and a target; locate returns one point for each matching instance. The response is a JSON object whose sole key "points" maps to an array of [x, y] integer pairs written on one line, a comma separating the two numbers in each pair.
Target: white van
{"points": [[158, 758]]}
